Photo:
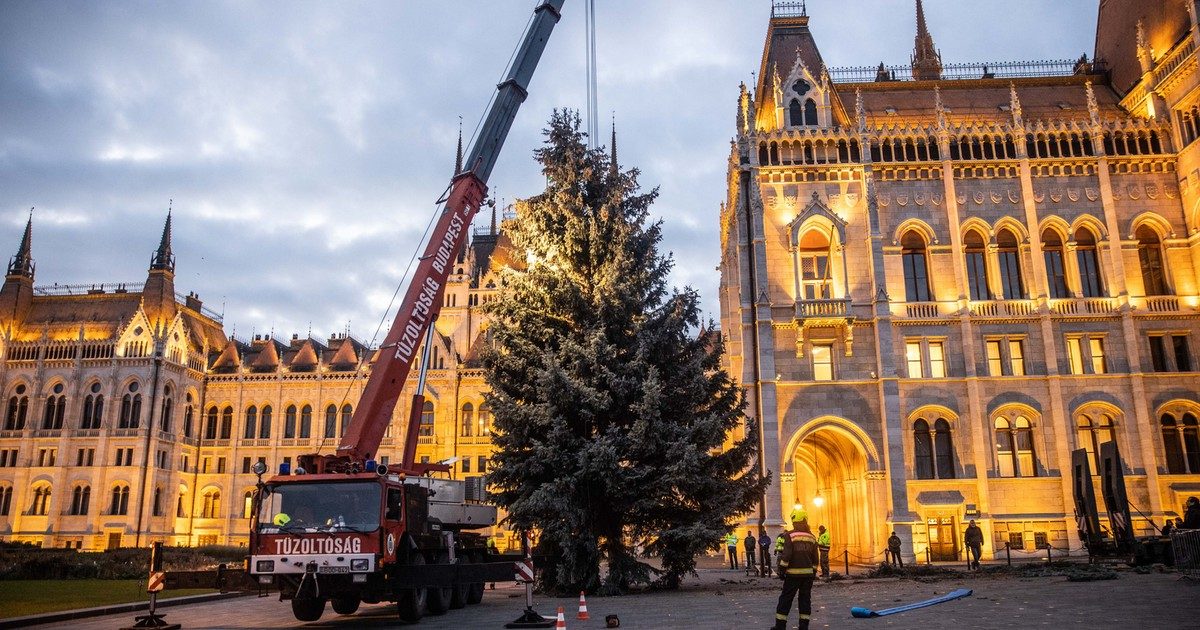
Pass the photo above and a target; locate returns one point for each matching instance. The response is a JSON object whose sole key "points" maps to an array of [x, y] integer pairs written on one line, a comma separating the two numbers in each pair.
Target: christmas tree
{"points": [[613, 416]]}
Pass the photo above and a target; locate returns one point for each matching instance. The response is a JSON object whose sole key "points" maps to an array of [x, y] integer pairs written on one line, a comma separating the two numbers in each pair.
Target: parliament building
{"points": [[939, 279]]}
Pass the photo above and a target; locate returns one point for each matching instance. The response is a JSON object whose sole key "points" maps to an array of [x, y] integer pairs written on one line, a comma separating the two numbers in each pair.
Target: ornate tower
{"points": [[17, 293], [926, 60], [158, 296]]}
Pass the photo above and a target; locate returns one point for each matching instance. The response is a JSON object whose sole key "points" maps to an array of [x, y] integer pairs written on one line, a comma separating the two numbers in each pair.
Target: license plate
{"points": [[333, 569]]}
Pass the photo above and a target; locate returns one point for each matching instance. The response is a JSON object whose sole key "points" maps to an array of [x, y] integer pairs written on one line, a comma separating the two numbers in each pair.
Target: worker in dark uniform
{"points": [[751, 545], [893, 543], [798, 568], [974, 540], [1191, 514], [764, 544]]}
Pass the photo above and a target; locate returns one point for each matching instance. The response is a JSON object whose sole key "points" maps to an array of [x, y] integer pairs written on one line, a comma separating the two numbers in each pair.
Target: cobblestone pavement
{"points": [[728, 599]]}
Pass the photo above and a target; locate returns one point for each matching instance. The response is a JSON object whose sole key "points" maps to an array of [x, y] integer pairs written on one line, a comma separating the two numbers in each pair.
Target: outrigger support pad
{"points": [[530, 619]]}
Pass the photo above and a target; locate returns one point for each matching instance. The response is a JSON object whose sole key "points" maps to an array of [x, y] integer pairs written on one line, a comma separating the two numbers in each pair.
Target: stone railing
{"points": [[1004, 308], [922, 310], [1157, 304], [822, 308], [1083, 306]]}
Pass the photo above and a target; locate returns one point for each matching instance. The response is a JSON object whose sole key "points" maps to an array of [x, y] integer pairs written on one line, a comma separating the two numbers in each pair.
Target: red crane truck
{"points": [[341, 529]]}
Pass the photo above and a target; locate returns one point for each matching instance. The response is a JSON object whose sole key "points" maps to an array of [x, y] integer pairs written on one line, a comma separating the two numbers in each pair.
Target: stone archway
{"points": [[825, 470]]}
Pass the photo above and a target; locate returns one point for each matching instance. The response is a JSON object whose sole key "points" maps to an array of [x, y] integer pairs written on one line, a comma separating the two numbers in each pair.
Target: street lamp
{"points": [[818, 500]]}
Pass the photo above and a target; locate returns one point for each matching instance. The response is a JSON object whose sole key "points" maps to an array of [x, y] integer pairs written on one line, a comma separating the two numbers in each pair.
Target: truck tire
{"points": [[438, 598], [345, 605], [458, 597], [474, 589], [308, 608], [410, 602]]}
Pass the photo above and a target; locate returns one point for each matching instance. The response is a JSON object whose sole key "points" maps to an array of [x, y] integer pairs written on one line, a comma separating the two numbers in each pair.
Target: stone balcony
{"points": [[822, 309]]}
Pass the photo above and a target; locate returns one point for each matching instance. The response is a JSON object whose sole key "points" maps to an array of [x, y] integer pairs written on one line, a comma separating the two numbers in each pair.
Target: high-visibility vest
{"points": [[823, 540]]}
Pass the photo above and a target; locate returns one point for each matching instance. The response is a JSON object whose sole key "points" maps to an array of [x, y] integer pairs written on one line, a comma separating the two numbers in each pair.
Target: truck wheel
{"points": [[437, 598], [345, 605], [308, 608], [458, 597], [474, 589], [410, 602]]}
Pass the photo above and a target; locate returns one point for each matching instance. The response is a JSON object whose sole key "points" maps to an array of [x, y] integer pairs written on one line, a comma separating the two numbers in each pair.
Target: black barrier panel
{"points": [[1087, 516], [450, 574], [1112, 484]]}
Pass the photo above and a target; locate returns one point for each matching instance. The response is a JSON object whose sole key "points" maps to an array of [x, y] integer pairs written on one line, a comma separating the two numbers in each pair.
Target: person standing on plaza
{"points": [[751, 546], [974, 540], [1191, 514], [823, 544], [764, 544], [731, 547], [797, 567], [894, 550]]}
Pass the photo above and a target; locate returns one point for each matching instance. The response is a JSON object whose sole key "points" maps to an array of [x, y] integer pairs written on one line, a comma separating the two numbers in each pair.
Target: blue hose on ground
{"points": [[862, 613]]}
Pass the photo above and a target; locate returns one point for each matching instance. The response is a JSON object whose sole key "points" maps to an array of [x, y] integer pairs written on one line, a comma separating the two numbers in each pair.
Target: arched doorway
{"points": [[826, 471]]}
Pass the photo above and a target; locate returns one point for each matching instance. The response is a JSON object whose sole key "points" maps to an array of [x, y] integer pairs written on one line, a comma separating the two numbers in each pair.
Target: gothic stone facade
{"points": [[130, 416], [938, 282]]}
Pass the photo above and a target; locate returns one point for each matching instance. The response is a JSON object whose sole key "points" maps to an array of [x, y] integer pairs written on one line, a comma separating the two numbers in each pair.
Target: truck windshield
{"points": [[298, 507]]}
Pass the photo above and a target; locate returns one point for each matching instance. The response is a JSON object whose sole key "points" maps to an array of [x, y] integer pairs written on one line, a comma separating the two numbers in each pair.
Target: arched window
{"points": [[916, 271], [131, 408], [1056, 275], [264, 423], [347, 415], [56, 407], [943, 449], [41, 500], [210, 424], [18, 409], [485, 420], [1090, 283], [250, 431], [247, 504], [306, 421], [975, 252], [156, 505], [1008, 254], [810, 112], [226, 422], [119, 506], [187, 417], [923, 449], [795, 113], [331, 421], [168, 409], [81, 496], [426, 429], [289, 422], [1092, 430], [467, 419], [1181, 442], [211, 506], [815, 271], [1014, 447], [1150, 258], [5, 499]]}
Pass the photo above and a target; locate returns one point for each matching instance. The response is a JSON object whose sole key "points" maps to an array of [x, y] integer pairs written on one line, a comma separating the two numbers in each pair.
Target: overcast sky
{"points": [[304, 143]]}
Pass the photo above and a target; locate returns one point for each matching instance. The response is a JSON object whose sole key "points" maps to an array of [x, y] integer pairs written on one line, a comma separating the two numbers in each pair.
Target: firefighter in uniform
{"points": [[797, 567], [823, 544]]}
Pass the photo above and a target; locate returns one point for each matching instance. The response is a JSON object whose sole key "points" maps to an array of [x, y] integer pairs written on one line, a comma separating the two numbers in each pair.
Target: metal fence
{"points": [[994, 70], [1185, 545]]}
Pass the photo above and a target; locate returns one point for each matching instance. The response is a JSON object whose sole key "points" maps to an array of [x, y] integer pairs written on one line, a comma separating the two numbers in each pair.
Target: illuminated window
{"points": [[211, 506], [977, 274], [247, 504], [1016, 357], [1052, 252], [1009, 257], [1181, 442], [1150, 258], [995, 361], [1092, 430], [426, 428], [251, 428], [1014, 447], [937, 359], [467, 419], [822, 360], [912, 353], [1096, 348], [1090, 283], [119, 505], [41, 500], [916, 275]]}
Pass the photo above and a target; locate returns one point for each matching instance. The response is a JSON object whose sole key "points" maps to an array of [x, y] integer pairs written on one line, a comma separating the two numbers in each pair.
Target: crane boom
{"points": [[423, 299]]}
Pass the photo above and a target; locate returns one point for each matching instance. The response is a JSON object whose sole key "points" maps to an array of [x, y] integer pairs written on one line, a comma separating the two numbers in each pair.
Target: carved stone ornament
{"points": [[1152, 191], [1073, 194], [883, 200], [996, 196], [851, 199], [902, 200], [1013, 197], [1171, 192], [1056, 196], [1116, 193], [1135, 192], [1039, 196], [962, 198], [833, 199], [1092, 193], [920, 198], [977, 197], [937, 198]]}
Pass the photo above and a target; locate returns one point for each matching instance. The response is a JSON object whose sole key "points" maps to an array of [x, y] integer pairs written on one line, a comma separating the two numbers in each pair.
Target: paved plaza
{"points": [[728, 599]]}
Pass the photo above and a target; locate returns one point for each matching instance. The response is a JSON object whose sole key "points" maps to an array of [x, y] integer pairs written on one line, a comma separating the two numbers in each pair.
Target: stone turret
{"points": [[16, 295], [158, 296], [926, 60]]}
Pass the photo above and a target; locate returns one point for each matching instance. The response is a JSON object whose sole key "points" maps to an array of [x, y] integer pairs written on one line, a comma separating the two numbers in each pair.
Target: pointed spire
{"points": [[741, 109], [1092, 105], [22, 263], [1145, 54], [613, 147], [163, 258], [1014, 105], [493, 204], [926, 60], [458, 157]]}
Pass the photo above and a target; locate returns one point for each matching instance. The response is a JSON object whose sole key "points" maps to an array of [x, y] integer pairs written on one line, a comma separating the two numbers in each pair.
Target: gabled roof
{"points": [[305, 359], [268, 355], [230, 357], [787, 37]]}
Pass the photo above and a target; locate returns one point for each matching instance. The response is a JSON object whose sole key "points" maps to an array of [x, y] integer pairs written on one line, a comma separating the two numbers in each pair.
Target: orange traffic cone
{"points": [[582, 607], [560, 623]]}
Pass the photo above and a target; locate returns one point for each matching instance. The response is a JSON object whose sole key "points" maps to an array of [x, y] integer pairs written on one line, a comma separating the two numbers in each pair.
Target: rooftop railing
{"points": [[960, 71]]}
